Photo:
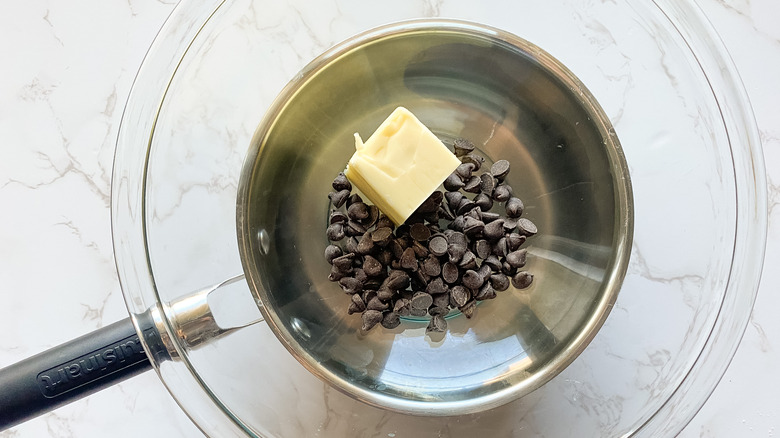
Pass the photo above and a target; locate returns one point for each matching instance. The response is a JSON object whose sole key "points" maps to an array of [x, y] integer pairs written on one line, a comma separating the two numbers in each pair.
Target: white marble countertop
{"points": [[66, 74]]}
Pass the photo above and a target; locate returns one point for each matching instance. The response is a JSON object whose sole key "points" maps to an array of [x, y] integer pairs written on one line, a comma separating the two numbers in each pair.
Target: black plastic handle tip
{"points": [[73, 370]]}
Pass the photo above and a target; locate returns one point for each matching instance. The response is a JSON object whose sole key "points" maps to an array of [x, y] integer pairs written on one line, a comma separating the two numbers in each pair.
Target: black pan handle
{"points": [[75, 369]]}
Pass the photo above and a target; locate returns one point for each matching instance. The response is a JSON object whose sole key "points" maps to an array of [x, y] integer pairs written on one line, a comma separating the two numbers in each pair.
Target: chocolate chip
{"points": [[457, 223], [510, 224], [483, 201], [486, 292], [484, 271], [337, 217], [376, 304], [464, 170], [515, 240], [457, 238], [331, 252], [462, 147], [441, 300], [419, 279], [438, 324], [341, 182], [453, 182], [365, 244], [494, 230], [489, 216], [361, 276], [456, 252], [439, 310], [514, 207], [367, 295], [338, 198], [408, 259], [516, 259], [418, 312], [353, 198], [397, 280], [500, 282], [522, 279], [450, 272], [472, 227], [391, 320], [472, 280], [492, 261], [526, 227], [438, 245], [373, 216], [466, 205], [344, 262], [460, 295], [487, 184], [437, 196], [358, 211], [474, 213], [420, 250], [500, 169], [453, 199], [468, 261], [384, 222], [468, 309], [382, 236], [501, 248], [370, 319], [396, 247], [415, 218], [508, 269], [420, 232], [402, 306], [372, 266], [445, 213], [335, 232], [373, 283], [472, 185], [436, 286], [431, 266], [483, 248], [351, 245], [357, 305], [354, 228], [406, 294], [421, 300], [431, 203], [473, 158], [385, 293], [351, 285], [335, 274], [502, 193]]}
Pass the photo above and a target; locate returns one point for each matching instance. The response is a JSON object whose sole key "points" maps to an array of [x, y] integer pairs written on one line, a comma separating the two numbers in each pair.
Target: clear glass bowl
{"points": [[676, 104]]}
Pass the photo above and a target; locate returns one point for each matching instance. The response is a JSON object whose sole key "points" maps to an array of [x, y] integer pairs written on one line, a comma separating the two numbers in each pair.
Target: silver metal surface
{"points": [[193, 318], [515, 102]]}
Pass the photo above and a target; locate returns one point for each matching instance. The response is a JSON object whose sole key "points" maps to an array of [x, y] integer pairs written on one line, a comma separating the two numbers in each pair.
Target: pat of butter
{"points": [[400, 165]]}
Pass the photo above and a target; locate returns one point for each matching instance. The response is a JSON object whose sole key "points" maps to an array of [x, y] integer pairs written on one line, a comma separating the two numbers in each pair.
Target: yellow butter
{"points": [[400, 165]]}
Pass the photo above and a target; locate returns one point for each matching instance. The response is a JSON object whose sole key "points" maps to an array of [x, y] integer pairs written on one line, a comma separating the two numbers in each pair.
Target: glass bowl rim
{"points": [[187, 20]]}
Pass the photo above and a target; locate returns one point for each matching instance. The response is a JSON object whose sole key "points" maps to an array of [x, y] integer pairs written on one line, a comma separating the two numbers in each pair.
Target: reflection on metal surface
{"points": [[264, 239], [517, 103], [193, 320]]}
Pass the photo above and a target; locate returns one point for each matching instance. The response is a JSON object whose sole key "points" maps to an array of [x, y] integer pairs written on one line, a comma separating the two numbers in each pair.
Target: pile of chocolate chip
{"points": [[454, 250]]}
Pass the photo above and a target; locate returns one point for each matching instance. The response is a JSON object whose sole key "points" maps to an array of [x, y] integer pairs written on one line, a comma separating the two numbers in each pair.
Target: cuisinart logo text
{"points": [[90, 367]]}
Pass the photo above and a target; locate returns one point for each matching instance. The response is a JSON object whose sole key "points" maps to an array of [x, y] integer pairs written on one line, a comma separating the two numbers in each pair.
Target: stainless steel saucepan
{"points": [[243, 113]]}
